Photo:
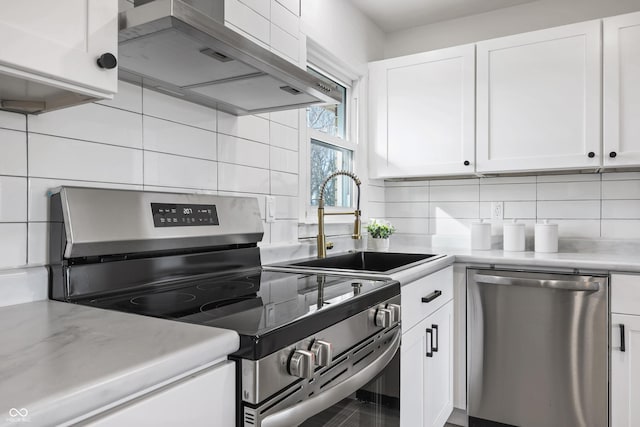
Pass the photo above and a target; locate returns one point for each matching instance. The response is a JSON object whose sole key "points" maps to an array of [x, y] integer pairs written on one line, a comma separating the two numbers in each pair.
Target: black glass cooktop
{"points": [[269, 310]]}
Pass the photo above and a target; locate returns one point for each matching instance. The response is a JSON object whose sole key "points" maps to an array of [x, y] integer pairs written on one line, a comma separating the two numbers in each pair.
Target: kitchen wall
{"points": [[594, 206], [141, 140], [517, 19]]}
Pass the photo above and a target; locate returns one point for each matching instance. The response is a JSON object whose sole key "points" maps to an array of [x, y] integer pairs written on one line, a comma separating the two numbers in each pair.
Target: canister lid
{"points": [[514, 223]]}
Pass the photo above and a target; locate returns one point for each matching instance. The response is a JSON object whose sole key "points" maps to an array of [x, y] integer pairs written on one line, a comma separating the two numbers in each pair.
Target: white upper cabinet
{"points": [[422, 114], [621, 90], [50, 49], [539, 100]]}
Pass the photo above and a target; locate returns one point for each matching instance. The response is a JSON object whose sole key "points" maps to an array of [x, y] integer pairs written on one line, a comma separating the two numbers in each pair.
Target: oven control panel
{"points": [[180, 215]]}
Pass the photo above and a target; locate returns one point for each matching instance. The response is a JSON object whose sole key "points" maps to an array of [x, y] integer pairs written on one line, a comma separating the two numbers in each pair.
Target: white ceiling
{"points": [[395, 15]]}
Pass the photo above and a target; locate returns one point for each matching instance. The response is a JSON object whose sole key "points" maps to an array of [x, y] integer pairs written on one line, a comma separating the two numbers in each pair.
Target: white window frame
{"points": [[324, 62]]}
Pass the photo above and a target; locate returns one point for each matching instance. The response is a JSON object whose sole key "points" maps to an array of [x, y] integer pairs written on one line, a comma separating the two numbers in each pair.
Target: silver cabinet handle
{"points": [[568, 285], [299, 412]]}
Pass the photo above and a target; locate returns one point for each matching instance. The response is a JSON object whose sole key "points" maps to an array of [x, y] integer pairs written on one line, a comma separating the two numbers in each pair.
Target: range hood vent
{"points": [[183, 48]]}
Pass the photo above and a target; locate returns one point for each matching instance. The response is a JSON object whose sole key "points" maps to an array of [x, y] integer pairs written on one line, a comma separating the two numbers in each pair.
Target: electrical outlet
{"points": [[497, 210], [270, 208]]}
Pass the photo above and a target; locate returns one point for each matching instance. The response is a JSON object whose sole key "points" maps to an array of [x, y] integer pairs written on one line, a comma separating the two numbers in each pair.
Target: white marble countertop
{"points": [[60, 361], [606, 261]]}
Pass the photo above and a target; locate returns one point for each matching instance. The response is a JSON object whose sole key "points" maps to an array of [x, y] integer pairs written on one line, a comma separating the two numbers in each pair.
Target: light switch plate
{"points": [[270, 208]]}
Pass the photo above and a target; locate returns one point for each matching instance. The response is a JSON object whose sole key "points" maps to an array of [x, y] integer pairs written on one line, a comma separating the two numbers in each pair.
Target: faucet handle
{"points": [[329, 245]]}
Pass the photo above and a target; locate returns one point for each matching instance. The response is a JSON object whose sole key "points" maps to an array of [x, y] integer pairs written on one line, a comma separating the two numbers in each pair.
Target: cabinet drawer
{"points": [[625, 294], [413, 309]]}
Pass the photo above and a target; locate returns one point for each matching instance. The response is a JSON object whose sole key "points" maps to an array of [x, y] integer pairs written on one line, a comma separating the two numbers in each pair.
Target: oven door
{"points": [[366, 392]]}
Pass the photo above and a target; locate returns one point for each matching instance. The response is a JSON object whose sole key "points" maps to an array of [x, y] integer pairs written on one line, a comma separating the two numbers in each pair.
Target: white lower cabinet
{"points": [[206, 398], [625, 370], [426, 360], [625, 350]]}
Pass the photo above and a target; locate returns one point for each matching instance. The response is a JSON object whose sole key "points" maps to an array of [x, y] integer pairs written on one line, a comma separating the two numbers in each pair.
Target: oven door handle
{"points": [[299, 412]]}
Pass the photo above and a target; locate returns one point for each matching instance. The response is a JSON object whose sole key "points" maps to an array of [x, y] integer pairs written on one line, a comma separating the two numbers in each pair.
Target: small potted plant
{"points": [[379, 233]]}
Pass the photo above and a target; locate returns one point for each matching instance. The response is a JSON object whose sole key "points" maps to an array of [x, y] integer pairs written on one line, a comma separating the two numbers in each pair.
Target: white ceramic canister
{"points": [[513, 236], [546, 237], [480, 235]]}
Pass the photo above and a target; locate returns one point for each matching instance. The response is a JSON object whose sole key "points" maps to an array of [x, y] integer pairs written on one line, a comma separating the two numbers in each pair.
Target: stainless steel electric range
{"points": [[315, 349]]}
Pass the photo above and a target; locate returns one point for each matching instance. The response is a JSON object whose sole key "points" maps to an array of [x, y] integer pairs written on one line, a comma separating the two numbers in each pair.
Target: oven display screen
{"points": [[174, 215]]}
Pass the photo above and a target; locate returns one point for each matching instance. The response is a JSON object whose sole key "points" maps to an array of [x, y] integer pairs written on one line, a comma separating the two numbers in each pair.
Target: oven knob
{"points": [[383, 318], [301, 364], [395, 313], [322, 352]]}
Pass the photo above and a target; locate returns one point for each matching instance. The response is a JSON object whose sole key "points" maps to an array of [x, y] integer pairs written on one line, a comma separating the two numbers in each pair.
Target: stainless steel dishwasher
{"points": [[537, 349]]}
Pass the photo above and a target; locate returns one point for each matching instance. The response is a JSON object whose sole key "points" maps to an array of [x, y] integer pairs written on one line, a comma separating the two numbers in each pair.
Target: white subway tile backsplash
{"points": [[284, 184], [512, 210], [509, 180], [621, 209], [450, 226], [13, 244], [408, 210], [621, 228], [569, 178], [283, 160], [284, 231], [38, 243], [569, 191], [259, 197], [620, 176], [376, 210], [410, 225], [406, 194], [621, 189], [242, 179], [91, 122], [577, 209], [289, 117], [13, 199], [454, 193], [184, 190], [177, 171], [129, 98], [504, 192], [54, 157], [286, 207], [376, 194], [170, 108], [248, 127], [13, 146], [21, 285], [283, 136], [445, 182], [175, 138], [578, 228], [242, 151], [40, 189], [454, 210], [13, 121]]}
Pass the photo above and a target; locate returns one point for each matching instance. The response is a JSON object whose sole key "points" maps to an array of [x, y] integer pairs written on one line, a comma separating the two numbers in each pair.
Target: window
{"points": [[330, 150]]}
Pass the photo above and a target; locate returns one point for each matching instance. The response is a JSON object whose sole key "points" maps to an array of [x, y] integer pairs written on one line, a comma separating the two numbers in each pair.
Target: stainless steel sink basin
{"points": [[360, 263]]}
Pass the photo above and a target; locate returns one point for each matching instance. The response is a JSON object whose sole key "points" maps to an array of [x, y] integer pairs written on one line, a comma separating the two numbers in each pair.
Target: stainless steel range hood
{"points": [[183, 48]]}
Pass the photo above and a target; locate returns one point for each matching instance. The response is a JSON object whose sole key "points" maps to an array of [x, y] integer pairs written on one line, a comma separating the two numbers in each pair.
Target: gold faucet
{"points": [[323, 245]]}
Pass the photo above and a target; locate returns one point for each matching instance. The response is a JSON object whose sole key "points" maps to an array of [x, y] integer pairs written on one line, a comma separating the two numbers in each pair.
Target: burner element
{"points": [[165, 299]]}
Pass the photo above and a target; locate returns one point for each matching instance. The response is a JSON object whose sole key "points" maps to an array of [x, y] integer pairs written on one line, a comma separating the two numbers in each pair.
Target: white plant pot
{"points": [[378, 245]]}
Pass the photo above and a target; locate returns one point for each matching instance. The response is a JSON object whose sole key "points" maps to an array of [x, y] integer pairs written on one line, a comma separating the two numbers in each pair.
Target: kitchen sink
{"points": [[360, 262]]}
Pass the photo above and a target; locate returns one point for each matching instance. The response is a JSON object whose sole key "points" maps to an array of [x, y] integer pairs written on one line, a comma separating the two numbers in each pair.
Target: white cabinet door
{"points": [[426, 371], [57, 43], [539, 100], [422, 114], [621, 90], [438, 397], [206, 398], [625, 371]]}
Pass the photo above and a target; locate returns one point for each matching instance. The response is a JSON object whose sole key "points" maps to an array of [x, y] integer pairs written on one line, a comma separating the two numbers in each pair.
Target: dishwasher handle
{"points": [[567, 285]]}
